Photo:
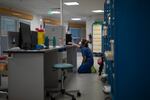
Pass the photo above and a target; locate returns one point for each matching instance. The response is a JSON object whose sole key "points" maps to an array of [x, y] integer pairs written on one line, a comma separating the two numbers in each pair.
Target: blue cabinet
{"points": [[132, 50], [129, 27], [108, 44]]}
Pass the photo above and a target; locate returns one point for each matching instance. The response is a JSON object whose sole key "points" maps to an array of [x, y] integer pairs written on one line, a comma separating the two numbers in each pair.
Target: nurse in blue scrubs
{"points": [[87, 55]]}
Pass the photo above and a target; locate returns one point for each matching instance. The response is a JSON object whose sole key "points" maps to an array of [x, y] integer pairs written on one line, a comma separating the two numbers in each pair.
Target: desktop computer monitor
{"points": [[13, 39], [25, 36]]}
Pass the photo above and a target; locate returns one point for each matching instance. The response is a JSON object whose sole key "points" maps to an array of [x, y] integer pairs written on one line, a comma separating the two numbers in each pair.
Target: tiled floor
{"points": [[88, 84]]}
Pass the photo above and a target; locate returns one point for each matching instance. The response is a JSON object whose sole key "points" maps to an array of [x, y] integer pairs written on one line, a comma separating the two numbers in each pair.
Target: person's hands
{"points": [[70, 43]]}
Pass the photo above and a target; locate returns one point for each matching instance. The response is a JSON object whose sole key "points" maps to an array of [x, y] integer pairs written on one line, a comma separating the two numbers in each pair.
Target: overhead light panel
{"points": [[71, 3], [98, 11], [53, 12], [41, 19], [76, 19]]}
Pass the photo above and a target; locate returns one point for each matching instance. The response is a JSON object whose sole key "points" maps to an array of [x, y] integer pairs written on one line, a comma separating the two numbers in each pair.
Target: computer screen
{"points": [[13, 39], [25, 36], [68, 38]]}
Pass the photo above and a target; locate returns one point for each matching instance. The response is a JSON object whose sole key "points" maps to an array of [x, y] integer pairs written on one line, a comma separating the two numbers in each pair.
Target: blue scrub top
{"points": [[87, 53]]}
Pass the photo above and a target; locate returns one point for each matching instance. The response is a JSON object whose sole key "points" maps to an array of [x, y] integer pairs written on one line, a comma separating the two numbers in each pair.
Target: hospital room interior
{"points": [[74, 50]]}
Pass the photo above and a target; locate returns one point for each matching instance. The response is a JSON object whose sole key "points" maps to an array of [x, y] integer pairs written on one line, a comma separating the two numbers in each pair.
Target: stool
{"points": [[62, 90]]}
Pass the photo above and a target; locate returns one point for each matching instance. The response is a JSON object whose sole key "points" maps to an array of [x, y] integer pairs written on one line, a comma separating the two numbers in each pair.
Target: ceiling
{"points": [[41, 7]]}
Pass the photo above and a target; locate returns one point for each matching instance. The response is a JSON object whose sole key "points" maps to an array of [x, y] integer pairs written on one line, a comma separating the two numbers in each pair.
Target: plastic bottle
{"points": [[41, 36], [54, 41], [46, 42]]}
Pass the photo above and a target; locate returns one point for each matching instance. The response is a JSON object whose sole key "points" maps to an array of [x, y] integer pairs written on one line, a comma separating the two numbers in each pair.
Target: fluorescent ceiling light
{"points": [[98, 11], [53, 12], [71, 3], [41, 19], [76, 19]]}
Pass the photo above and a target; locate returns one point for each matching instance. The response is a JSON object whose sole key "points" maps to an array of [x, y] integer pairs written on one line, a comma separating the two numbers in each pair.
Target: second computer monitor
{"points": [[25, 36]]}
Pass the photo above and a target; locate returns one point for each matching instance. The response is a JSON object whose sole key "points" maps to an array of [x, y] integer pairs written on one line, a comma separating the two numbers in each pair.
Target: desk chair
{"points": [[62, 90]]}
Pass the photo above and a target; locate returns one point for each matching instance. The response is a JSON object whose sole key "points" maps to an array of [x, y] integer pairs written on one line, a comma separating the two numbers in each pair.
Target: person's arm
{"points": [[77, 45]]}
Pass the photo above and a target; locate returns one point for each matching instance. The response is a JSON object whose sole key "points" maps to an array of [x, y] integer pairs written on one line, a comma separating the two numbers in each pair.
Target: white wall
{"points": [[83, 33], [90, 20], [35, 23]]}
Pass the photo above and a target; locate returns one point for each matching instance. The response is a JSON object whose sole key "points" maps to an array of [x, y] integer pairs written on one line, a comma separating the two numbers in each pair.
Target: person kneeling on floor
{"points": [[87, 62]]}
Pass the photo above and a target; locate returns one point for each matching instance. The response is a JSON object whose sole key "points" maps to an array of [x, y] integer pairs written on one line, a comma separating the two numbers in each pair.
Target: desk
{"points": [[30, 72]]}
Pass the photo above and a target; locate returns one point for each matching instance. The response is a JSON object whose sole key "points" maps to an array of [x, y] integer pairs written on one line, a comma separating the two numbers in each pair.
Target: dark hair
{"points": [[84, 42]]}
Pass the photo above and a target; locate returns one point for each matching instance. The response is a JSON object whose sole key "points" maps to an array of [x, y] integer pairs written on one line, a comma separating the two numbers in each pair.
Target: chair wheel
{"points": [[7, 97], [73, 98], [78, 94], [52, 98], [47, 94], [108, 98]]}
